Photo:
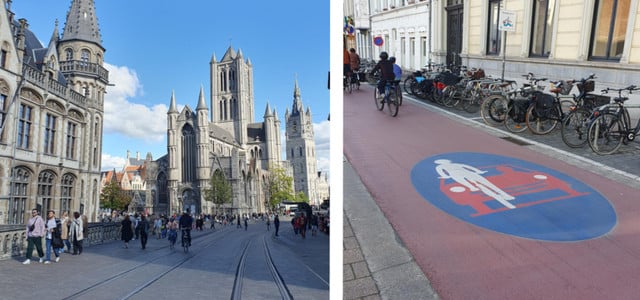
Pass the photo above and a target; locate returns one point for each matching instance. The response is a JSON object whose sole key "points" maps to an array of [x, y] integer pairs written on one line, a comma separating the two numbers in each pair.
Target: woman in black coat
{"points": [[127, 231]]}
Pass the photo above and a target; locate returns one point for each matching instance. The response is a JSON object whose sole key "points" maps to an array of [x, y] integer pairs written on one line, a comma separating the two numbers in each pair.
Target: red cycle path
{"points": [[464, 261]]}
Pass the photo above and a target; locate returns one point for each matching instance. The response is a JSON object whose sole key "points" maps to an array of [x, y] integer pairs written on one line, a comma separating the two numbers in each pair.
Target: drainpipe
{"points": [[430, 32]]}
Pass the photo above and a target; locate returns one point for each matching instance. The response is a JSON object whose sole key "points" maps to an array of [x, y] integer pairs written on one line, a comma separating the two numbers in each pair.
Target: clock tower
{"points": [[301, 148]]}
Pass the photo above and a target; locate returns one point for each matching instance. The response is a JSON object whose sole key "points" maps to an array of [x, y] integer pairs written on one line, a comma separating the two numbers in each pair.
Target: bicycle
{"points": [[346, 83], [612, 125], [392, 97], [186, 238], [495, 108], [574, 127]]}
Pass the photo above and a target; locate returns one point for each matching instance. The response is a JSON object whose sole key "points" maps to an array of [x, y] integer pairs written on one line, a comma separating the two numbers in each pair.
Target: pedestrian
{"points": [[314, 224], [213, 222], [268, 223], [276, 223], [85, 225], [126, 231], [238, 226], [294, 223], [136, 221], [66, 223], [35, 231], [199, 223], [157, 227], [246, 223], [172, 227], [75, 233], [53, 239], [302, 225], [144, 230]]}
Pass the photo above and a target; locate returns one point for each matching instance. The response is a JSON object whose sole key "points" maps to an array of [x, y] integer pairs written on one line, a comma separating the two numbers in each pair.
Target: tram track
{"points": [[158, 275]]}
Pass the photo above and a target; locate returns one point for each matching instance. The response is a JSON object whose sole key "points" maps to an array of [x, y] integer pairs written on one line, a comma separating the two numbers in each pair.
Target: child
{"points": [[397, 71]]}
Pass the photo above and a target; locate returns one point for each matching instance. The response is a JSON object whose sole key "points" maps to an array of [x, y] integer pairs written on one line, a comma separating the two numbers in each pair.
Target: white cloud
{"points": [[130, 119], [112, 162]]}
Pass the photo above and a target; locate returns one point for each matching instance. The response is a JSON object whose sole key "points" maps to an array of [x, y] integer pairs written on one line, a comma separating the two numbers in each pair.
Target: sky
{"points": [[154, 48]]}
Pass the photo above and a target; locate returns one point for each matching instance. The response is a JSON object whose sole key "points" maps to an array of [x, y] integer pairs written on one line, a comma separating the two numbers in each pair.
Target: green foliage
{"points": [[301, 197], [114, 197], [280, 187], [219, 191]]}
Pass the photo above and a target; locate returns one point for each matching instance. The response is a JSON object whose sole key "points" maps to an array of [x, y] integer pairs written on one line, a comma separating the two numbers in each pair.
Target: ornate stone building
{"points": [[51, 115]]}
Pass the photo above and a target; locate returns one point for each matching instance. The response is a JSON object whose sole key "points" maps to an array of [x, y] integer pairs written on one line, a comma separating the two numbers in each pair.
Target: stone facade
{"points": [[51, 114]]}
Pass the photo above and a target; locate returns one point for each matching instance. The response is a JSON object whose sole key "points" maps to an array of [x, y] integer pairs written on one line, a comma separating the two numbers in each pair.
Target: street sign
{"points": [[378, 41], [507, 21]]}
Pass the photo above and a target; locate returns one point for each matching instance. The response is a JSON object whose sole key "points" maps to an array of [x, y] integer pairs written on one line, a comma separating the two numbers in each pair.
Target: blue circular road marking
{"points": [[513, 196]]}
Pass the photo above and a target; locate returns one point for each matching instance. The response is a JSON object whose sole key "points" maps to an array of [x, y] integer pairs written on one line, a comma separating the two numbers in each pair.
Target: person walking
{"points": [[66, 223], [144, 231], [302, 225], [126, 231], [238, 226], [35, 231], [157, 227], [268, 222], [75, 233], [314, 224], [246, 223], [53, 234], [136, 221], [276, 223]]}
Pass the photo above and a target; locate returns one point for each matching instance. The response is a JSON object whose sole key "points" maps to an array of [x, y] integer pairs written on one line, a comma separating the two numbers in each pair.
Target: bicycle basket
{"points": [[588, 86]]}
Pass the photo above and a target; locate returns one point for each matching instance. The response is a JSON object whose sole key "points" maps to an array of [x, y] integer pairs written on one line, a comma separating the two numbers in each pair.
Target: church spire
{"points": [[82, 22], [172, 105], [201, 102]]}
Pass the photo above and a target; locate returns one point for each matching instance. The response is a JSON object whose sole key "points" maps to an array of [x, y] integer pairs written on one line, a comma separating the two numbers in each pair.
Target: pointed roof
{"points": [[172, 105], [201, 102], [55, 36], [229, 55], [213, 58], [267, 111], [82, 22]]}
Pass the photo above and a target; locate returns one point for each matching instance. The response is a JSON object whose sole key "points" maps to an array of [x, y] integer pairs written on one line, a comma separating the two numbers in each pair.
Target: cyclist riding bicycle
{"points": [[386, 72], [186, 221]]}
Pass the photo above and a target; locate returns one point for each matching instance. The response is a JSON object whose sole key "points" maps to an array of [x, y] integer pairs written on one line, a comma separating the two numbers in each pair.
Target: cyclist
{"points": [[354, 60], [186, 222], [386, 72], [397, 71]]}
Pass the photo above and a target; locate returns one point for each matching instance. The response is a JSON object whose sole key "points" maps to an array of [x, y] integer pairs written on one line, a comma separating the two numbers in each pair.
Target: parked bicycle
{"points": [[574, 127], [612, 125]]}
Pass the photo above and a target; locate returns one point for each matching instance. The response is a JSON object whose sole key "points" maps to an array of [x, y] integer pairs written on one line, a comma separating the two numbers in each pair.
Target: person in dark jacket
{"points": [[276, 223], [144, 230], [386, 72], [126, 231]]}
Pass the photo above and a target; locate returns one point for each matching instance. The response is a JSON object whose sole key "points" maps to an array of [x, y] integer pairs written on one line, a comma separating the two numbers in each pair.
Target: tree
{"points": [[114, 197], [219, 191], [280, 187], [301, 197]]}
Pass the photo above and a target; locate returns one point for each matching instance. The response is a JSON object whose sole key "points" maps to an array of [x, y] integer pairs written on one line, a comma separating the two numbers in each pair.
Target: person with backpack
{"points": [[386, 73], [76, 233], [53, 237]]}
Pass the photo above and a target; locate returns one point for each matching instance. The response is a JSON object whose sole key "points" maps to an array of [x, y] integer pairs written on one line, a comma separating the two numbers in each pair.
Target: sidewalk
{"points": [[376, 263]]}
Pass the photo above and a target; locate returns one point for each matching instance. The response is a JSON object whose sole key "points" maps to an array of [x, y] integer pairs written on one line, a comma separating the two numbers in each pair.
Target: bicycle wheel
{"points": [[494, 109], [574, 128], [348, 85], [542, 121], [392, 101], [514, 120], [605, 134], [448, 96], [406, 85], [379, 102], [472, 102]]}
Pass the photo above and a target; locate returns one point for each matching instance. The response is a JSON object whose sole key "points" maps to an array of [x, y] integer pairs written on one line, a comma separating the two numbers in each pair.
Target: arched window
{"points": [[66, 193], [188, 154], [45, 190], [300, 150], [225, 110], [291, 152], [85, 56], [162, 188], [68, 53], [20, 194], [221, 110]]}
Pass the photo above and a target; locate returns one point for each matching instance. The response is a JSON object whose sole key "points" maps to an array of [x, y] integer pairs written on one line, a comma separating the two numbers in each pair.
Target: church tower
{"points": [[232, 94], [301, 148], [81, 56]]}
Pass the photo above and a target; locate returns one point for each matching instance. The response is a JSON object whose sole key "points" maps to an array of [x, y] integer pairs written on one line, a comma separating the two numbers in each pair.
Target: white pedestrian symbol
{"points": [[472, 179]]}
